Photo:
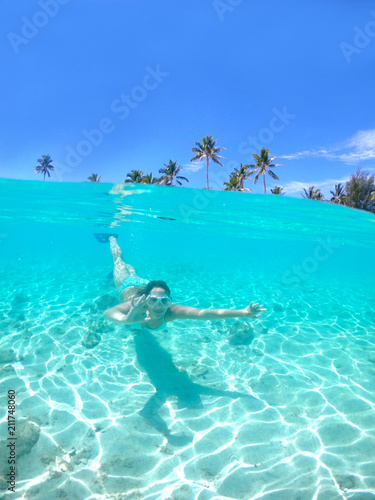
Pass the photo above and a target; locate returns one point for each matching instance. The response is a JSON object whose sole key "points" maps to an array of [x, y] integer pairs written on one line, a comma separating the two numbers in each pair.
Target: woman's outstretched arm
{"points": [[119, 313], [253, 310]]}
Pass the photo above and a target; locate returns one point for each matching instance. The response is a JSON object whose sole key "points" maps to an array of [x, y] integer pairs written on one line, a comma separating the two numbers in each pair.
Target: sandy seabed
{"points": [[276, 408]]}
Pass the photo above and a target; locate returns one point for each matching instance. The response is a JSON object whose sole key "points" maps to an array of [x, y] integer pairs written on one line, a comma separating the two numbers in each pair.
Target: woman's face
{"points": [[158, 302]]}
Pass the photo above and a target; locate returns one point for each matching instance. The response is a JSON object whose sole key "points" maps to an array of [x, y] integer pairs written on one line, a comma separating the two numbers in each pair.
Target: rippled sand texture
{"points": [[277, 408]]}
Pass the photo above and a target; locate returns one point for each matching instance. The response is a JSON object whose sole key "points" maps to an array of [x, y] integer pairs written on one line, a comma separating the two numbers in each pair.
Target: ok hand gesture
{"points": [[138, 310]]}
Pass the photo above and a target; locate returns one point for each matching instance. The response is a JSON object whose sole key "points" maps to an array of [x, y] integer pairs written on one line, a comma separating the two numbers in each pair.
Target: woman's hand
{"points": [[138, 310], [253, 310]]}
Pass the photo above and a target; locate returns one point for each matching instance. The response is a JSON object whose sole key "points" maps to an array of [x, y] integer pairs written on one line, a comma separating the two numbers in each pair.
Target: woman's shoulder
{"points": [[175, 311]]}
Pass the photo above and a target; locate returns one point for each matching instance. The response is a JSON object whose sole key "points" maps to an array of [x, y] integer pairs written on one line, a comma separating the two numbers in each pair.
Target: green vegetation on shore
{"points": [[358, 191]]}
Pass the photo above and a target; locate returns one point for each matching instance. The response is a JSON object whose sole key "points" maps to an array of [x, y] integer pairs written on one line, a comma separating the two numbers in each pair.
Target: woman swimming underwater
{"points": [[149, 303]]}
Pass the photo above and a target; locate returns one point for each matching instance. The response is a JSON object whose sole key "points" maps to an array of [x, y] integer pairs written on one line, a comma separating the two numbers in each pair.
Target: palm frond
{"points": [[273, 175]]}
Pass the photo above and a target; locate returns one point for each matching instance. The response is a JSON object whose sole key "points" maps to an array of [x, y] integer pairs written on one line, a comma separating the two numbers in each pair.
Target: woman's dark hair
{"points": [[145, 290]]}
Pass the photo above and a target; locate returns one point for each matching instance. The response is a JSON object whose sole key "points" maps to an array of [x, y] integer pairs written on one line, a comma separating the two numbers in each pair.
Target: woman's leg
{"points": [[121, 271]]}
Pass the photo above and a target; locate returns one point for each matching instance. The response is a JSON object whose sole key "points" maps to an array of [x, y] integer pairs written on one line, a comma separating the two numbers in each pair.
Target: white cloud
{"points": [[359, 147], [323, 185], [194, 166]]}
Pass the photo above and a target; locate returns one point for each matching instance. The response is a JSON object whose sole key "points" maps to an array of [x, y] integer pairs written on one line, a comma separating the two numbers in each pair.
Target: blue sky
{"points": [[107, 86]]}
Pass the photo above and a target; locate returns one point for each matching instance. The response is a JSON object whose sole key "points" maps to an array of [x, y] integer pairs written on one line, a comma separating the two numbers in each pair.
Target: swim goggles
{"points": [[152, 300]]}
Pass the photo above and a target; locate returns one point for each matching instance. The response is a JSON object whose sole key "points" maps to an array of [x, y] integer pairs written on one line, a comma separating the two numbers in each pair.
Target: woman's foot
{"points": [[104, 237]]}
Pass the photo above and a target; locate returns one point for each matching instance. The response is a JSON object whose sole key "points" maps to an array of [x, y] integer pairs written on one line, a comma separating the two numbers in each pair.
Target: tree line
{"points": [[358, 191]]}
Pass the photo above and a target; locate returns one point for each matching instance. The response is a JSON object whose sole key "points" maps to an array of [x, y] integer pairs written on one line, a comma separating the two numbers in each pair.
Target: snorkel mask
{"points": [[164, 301]]}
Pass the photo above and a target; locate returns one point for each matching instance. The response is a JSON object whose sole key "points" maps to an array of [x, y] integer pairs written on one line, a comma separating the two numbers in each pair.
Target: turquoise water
{"points": [[281, 407]]}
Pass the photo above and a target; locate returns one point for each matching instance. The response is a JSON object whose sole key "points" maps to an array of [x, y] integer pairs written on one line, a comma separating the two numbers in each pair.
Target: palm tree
{"points": [[243, 175], [208, 150], [313, 195], [263, 165], [148, 179], [278, 190], [45, 165], [373, 196], [338, 195], [134, 176], [170, 174], [237, 178], [94, 178], [233, 184]]}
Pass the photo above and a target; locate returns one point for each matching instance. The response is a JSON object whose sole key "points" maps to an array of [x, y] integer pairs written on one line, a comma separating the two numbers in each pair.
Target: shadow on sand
{"points": [[169, 381]]}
